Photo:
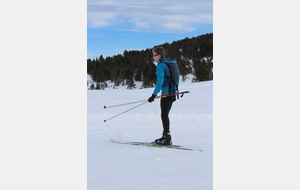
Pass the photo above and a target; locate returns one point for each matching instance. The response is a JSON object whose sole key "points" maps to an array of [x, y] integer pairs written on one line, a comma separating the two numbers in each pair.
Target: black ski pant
{"points": [[165, 106]]}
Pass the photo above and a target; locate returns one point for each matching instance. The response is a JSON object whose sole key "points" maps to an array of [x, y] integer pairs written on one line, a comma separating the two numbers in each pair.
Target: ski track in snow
{"points": [[113, 166]]}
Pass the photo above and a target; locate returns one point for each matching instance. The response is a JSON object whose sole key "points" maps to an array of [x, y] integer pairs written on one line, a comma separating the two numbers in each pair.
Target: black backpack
{"points": [[174, 79]]}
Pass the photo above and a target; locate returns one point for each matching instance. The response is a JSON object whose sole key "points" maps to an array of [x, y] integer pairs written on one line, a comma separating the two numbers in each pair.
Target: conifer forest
{"points": [[193, 55]]}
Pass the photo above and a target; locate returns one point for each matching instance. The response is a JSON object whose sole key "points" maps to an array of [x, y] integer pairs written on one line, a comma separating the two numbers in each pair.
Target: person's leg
{"points": [[166, 105]]}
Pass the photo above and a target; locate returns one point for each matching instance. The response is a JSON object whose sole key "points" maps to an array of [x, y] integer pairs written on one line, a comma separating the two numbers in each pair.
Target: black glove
{"points": [[151, 99]]}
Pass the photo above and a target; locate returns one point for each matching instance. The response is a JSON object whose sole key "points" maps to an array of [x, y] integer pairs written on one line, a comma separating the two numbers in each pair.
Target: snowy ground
{"points": [[115, 166]]}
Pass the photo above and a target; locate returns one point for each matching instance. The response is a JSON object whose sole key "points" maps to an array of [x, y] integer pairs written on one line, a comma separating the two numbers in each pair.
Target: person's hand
{"points": [[151, 99]]}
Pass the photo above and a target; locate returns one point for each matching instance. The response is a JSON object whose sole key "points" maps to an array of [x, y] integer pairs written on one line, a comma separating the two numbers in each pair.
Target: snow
{"points": [[116, 166], [110, 84]]}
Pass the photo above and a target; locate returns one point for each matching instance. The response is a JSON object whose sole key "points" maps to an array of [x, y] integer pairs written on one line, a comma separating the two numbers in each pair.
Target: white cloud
{"points": [[100, 19], [140, 25], [150, 15]]}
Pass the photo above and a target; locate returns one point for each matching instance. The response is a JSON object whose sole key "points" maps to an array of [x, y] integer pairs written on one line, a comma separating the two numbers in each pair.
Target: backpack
{"points": [[174, 79]]}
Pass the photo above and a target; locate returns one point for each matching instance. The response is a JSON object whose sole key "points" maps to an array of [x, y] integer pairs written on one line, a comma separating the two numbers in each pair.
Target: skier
{"points": [[163, 81]]}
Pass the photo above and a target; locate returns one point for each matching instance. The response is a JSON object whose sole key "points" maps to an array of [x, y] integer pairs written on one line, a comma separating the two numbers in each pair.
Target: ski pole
{"points": [[131, 102], [182, 93], [144, 102], [161, 95], [123, 104], [126, 111]]}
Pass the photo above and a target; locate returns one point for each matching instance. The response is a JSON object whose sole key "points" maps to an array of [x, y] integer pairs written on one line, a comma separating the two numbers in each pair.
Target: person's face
{"points": [[156, 57]]}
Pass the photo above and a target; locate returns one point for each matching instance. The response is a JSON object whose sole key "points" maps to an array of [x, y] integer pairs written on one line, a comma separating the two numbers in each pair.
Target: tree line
{"points": [[193, 55]]}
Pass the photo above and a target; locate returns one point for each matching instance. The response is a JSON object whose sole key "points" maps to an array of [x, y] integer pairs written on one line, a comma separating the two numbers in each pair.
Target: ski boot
{"points": [[164, 140]]}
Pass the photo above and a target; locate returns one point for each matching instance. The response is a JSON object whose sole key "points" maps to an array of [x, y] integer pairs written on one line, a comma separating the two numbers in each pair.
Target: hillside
{"points": [[193, 55]]}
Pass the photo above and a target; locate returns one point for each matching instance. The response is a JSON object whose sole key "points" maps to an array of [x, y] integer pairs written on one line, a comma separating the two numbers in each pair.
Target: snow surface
{"points": [[115, 166]]}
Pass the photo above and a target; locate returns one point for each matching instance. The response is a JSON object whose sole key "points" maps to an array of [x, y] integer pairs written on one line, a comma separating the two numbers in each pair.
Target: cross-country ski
{"points": [[153, 144]]}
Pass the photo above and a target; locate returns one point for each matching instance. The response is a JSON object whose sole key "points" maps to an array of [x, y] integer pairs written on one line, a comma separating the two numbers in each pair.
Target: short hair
{"points": [[159, 50]]}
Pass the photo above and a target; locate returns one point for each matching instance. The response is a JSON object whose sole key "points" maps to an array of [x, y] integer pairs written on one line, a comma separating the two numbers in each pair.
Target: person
{"points": [[163, 74]]}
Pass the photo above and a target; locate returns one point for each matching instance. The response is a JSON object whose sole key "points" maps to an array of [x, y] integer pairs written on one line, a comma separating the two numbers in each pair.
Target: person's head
{"points": [[158, 52]]}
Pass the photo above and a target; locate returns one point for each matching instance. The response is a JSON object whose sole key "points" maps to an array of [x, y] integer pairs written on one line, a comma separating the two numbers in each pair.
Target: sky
{"points": [[117, 25]]}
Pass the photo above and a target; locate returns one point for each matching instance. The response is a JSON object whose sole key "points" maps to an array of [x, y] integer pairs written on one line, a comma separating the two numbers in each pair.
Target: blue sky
{"points": [[117, 25]]}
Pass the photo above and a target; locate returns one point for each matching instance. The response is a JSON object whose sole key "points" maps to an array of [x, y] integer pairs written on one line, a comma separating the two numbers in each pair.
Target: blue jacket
{"points": [[163, 82]]}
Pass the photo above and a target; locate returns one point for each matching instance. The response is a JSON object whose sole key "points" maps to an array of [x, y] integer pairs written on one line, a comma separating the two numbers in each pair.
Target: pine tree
{"points": [[92, 87], [97, 87], [202, 71], [130, 83], [146, 83]]}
